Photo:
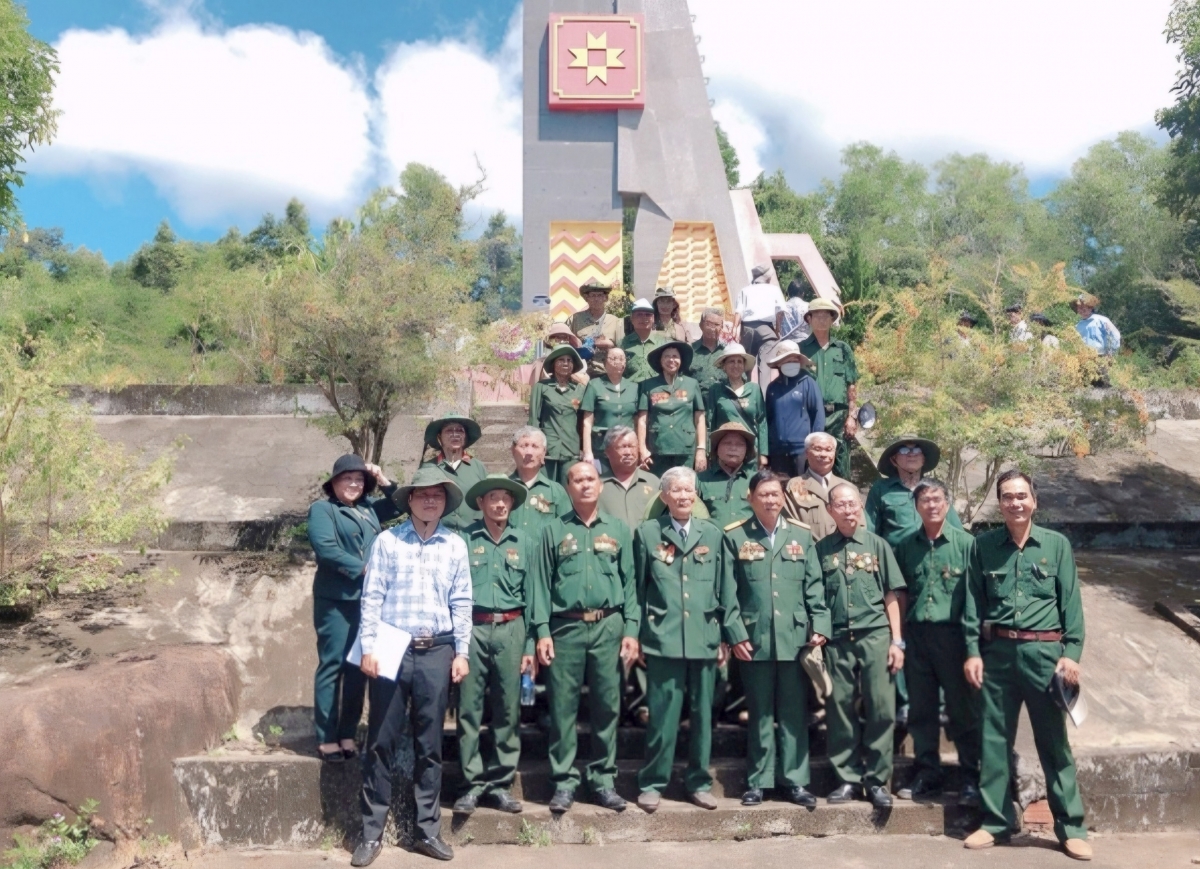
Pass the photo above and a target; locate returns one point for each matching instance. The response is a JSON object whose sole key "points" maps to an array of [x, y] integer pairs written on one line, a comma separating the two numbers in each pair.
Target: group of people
{"points": [[791, 576]]}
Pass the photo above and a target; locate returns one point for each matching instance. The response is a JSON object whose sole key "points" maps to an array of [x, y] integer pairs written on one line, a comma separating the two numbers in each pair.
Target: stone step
{"points": [[492, 413], [285, 800]]}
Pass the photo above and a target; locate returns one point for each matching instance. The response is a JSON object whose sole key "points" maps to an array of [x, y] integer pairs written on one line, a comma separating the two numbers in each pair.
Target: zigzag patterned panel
{"points": [[693, 267], [581, 251]]}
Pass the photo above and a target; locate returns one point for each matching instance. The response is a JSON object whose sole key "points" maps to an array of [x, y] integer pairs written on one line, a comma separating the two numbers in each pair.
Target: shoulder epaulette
{"points": [[799, 524], [737, 524]]}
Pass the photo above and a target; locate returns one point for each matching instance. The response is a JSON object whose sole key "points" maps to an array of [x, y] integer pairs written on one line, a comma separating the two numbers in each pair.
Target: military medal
{"points": [[701, 551], [604, 543], [575, 403], [659, 397], [568, 546], [794, 551], [681, 394], [479, 550], [665, 552], [744, 403], [539, 503], [513, 556], [751, 551]]}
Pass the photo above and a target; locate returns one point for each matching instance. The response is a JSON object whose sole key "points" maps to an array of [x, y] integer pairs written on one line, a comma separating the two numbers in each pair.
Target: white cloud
{"points": [[745, 133], [449, 104], [1035, 81], [224, 122]]}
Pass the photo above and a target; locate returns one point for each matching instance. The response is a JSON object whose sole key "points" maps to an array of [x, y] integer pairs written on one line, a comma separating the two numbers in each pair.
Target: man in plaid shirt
{"points": [[418, 579]]}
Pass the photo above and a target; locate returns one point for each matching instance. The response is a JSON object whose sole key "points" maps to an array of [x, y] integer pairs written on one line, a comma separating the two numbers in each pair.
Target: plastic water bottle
{"points": [[528, 693]]}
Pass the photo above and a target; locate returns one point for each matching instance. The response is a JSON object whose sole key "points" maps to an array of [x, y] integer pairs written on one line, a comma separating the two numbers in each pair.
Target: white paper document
{"points": [[390, 645]]}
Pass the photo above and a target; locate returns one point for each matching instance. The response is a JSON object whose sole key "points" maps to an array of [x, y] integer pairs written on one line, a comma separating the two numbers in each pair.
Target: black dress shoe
{"points": [[466, 804], [968, 795], [561, 801], [880, 797], [504, 801], [435, 848], [801, 797], [366, 852], [608, 799], [752, 797], [843, 794], [921, 787]]}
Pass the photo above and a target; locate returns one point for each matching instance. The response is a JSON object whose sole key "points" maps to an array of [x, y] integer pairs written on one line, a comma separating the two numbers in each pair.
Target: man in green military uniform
{"points": [[861, 584], [1023, 620], [546, 498], [501, 558], [723, 487], [451, 436], [934, 561], [605, 330], [627, 489], [706, 350], [638, 343], [782, 601], [837, 374], [586, 617], [689, 603]]}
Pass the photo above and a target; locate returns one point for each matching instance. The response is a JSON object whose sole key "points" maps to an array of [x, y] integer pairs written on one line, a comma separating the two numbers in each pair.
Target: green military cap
{"points": [[822, 305], [933, 454], [474, 432], [558, 352], [427, 476], [728, 428], [594, 286], [685, 355], [498, 481]]}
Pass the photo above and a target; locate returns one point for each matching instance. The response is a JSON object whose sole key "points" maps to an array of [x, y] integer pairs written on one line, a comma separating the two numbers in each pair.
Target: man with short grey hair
{"points": [[547, 498], [627, 489], [808, 494], [704, 351]]}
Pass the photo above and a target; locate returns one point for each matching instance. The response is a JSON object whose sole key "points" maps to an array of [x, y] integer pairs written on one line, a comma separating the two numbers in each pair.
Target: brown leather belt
{"points": [[1027, 636], [588, 615], [483, 617]]}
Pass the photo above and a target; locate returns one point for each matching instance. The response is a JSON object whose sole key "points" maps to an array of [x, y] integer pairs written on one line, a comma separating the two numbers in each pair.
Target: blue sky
{"points": [[210, 112]]}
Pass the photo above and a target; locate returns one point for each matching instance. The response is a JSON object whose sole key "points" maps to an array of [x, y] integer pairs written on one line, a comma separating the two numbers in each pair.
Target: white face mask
{"points": [[790, 369]]}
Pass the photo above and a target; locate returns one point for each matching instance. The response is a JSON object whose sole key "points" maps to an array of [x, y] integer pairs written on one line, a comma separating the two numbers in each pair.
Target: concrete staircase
{"points": [[498, 421]]}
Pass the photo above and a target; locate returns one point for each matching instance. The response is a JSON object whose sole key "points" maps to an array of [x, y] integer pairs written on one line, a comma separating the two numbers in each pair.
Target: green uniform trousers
{"points": [[775, 696], [665, 463], [835, 424], [933, 661], [556, 469], [338, 688], [668, 680], [1015, 673], [585, 654], [495, 660], [860, 750]]}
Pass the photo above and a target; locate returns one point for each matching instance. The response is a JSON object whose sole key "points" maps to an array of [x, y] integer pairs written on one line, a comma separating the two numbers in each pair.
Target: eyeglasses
{"points": [[454, 429], [843, 505], [910, 451]]}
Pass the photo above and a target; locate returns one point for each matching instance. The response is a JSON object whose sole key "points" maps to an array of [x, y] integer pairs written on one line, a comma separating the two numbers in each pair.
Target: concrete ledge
{"points": [[244, 536], [174, 400]]}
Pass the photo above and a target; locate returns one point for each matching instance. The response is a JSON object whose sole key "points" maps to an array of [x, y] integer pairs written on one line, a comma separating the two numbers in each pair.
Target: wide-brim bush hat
{"points": [[783, 350], [735, 428], [932, 452], [822, 305], [654, 357], [557, 353], [474, 432], [729, 351], [562, 330], [345, 465], [425, 477], [498, 481]]}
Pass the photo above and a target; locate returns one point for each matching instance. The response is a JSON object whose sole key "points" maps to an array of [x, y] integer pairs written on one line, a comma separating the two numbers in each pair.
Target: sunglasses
{"points": [[910, 451]]}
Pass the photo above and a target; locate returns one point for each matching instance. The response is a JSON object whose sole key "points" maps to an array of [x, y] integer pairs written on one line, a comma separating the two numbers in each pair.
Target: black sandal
{"points": [[350, 753], [331, 756]]}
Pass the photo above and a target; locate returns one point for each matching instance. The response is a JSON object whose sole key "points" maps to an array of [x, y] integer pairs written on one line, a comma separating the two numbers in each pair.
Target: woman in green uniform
{"points": [[554, 408], [735, 399], [608, 401], [341, 529], [670, 420]]}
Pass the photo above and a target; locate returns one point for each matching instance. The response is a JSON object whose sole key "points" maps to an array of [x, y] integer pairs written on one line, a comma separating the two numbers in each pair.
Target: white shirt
{"points": [[778, 525], [824, 481], [682, 530], [759, 302]]}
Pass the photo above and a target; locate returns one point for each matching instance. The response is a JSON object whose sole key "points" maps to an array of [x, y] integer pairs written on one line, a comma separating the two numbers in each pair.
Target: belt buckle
{"points": [[498, 618], [590, 616], [422, 643]]}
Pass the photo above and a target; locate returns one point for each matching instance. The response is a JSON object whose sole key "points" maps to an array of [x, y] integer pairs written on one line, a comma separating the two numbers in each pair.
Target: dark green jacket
{"points": [[546, 500], [500, 571], [858, 572], [892, 513], [725, 495], [688, 598], [1030, 589], [702, 367], [722, 405], [341, 538], [670, 414], [778, 588], [555, 410], [936, 574], [836, 370]]}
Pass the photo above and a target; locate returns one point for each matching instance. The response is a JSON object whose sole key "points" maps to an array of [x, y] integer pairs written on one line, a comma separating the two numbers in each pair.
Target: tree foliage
{"points": [[27, 115], [1179, 187], [158, 264], [729, 157]]}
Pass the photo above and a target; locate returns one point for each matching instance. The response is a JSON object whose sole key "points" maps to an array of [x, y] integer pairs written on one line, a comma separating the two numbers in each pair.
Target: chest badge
{"points": [[751, 551], [478, 550], [540, 503], [744, 403], [681, 394], [659, 397], [793, 551], [604, 543], [513, 557], [665, 552], [700, 551], [568, 545], [575, 403]]}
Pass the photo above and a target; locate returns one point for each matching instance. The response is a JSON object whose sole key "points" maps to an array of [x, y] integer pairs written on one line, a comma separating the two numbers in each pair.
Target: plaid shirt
{"points": [[420, 586]]}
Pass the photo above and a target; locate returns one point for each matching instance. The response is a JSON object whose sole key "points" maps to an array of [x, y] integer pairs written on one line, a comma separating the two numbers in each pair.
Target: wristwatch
{"points": [[900, 644]]}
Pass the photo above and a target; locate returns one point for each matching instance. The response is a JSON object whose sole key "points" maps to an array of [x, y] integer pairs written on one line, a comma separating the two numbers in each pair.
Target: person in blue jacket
{"points": [[341, 529], [795, 409]]}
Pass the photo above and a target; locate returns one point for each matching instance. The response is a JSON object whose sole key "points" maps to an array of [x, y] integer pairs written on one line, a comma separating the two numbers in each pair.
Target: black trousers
{"points": [[425, 681], [786, 463]]}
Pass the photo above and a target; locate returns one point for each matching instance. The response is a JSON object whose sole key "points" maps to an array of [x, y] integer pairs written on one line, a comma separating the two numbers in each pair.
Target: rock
{"points": [[110, 732]]}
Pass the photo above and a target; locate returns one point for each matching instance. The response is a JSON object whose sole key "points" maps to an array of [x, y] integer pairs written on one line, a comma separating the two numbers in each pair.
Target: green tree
{"points": [[158, 264], [1179, 187], [729, 157], [498, 285], [27, 116]]}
